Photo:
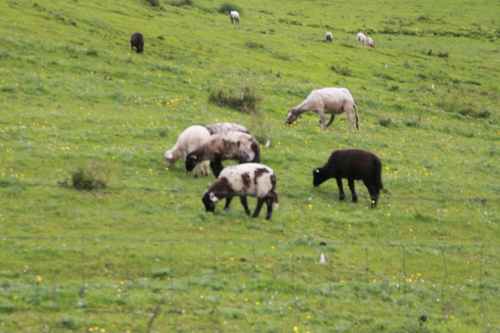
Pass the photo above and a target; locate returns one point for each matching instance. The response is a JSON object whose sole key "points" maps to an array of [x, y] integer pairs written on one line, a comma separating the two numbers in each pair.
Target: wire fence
{"points": [[281, 194], [182, 285]]}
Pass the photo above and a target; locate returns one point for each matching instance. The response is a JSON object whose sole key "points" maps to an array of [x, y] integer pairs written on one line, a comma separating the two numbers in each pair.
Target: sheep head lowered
{"points": [[292, 115], [191, 161], [319, 177], [210, 200]]}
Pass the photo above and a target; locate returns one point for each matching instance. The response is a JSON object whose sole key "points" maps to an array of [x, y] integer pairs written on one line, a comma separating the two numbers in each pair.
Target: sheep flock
{"points": [[205, 147]]}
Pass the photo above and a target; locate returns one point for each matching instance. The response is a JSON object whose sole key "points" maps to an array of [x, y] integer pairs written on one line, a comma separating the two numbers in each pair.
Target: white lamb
{"points": [[329, 37], [361, 38], [188, 141], [234, 16], [327, 100], [369, 42]]}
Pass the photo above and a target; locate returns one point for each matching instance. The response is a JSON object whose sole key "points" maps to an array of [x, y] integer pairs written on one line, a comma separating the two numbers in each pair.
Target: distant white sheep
{"points": [[189, 140], [226, 127], [328, 37], [327, 100], [248, 179], [361, 38], [369, 42], [234, 16]]}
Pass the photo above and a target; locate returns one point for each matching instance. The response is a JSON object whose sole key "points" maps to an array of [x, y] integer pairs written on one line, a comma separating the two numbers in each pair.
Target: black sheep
{"points": [[137, 41], [353, 164]]}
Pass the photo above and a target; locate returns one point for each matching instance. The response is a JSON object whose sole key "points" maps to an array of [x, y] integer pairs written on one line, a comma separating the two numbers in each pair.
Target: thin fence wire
{"points": [[475, 200], [168, 281]]}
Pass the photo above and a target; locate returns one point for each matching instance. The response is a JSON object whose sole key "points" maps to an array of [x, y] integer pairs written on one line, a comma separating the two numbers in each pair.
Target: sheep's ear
{"points": [[317, 170], [195, 157], [300, 116], [213, 198]]}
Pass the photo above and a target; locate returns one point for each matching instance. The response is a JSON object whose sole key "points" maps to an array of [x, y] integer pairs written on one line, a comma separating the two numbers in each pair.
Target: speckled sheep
{"points": [[231, 145], [248, 179]]}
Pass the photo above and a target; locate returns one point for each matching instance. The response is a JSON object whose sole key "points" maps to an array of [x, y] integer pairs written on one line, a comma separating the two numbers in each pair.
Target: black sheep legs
{"points": [[260, 203], [351, 187], [372, 189]]}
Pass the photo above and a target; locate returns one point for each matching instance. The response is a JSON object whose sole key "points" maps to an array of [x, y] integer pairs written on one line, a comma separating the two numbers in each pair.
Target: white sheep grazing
{"points": [[224, 146], [329, 37], [188, 141], [361, 38], [226, 127], [369, 42], [327, 100], [234, 16], [249, 179]]}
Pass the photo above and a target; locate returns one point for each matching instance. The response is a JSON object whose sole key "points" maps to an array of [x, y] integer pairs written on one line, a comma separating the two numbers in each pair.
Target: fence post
{"points": [[83, 290], [404, 268], [367, 268], [443, 248]]}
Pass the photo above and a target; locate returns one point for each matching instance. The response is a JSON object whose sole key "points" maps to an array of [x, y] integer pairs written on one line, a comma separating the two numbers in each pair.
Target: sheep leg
{"points": [[322, 120], [350, 181], [244, 203], [269, 203], [332, 117], [341, 189], [216, 168], [260, 203], [196, 169], [228, 202], [373, 193], [349, 115]]}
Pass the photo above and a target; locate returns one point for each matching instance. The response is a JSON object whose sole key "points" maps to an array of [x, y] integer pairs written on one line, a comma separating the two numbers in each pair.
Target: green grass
{"points": [[73, 94]]}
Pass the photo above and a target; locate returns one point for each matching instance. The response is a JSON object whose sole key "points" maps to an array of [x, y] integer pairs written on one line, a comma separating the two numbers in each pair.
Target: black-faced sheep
{"points": [[234, 16], [226, 127], [327, 100], [369, 42], [189, 140], [137, 41], [249, 179], [353, 164], [361, 38], [231, 145], [328, 37]]}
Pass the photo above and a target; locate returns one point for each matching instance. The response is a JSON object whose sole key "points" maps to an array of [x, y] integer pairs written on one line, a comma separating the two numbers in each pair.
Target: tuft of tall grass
{"points": [[89, 176], [244, 98], [180, 3], [154, 3], [226, 6], [344, 71]]}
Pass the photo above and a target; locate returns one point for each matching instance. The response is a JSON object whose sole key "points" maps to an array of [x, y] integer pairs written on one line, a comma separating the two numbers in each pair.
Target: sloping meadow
{"points": [[135, 251]]}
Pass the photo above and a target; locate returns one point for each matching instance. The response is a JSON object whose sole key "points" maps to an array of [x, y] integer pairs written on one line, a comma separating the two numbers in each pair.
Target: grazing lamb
{"points": [[249, 179], [353, 164], [327, 100], [234, 16], [226, 127], [188, 141], [329, 37], [137, 41], [361, 38], [231, 145], [369, 42]]}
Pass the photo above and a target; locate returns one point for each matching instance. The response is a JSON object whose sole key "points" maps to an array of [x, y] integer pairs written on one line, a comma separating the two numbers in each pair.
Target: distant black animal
{"points": [[137, 41], [353, 164]]}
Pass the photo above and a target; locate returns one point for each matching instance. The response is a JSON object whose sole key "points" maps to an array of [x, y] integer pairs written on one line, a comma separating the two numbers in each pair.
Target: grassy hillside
{"points": [[142, 255]]}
